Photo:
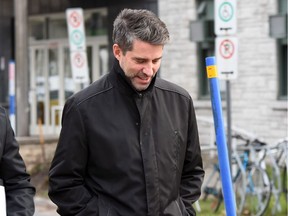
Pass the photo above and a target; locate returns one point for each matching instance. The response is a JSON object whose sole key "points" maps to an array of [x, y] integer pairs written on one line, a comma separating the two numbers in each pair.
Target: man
{"points": [[19, 192], [129, 142]]}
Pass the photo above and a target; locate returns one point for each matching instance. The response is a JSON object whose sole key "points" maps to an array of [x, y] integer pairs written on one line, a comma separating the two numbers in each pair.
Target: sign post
{"points": [[226, 54], [78, 56], [226, 44], [226, 51]]}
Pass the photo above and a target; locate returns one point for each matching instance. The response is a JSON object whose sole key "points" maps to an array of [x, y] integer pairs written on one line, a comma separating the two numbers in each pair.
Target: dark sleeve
{"points": [[66, 176], [19, 191], [193, 173]]}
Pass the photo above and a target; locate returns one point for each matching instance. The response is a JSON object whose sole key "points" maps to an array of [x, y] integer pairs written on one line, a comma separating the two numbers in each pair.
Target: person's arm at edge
{"points": [[193, 173], [18, 189], [66, 176]]}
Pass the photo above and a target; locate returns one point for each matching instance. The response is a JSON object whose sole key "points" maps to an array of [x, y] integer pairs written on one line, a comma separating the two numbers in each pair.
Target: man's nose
{"points": [[148, 69]]}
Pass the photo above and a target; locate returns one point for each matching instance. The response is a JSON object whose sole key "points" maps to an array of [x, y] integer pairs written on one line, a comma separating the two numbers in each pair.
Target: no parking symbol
{"points": [[227, 57], [226, 48], [75, 19], [79, 66], [78, 60]]}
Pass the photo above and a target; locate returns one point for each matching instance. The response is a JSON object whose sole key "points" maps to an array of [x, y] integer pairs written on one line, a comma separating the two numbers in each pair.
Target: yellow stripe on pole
{"points": [[212, 71]]}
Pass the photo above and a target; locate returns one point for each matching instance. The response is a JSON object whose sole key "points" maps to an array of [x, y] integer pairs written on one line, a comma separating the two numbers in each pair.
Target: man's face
{"points": [[140, 64]]}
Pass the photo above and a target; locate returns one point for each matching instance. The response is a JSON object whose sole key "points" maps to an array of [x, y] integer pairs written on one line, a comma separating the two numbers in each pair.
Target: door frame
{"points": [[52, 127]]}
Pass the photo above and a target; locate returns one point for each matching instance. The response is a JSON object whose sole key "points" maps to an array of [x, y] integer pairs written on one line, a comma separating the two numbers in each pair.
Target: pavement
{"points": [[44, 207], [32, 151]]}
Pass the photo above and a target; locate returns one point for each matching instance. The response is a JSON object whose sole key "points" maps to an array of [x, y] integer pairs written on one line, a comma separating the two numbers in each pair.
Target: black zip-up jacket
{"points": [[127, 153], [16, 181]]}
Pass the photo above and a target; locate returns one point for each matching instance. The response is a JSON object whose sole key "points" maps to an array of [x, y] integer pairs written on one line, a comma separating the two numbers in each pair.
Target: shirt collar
{"points": [[125, 83]]}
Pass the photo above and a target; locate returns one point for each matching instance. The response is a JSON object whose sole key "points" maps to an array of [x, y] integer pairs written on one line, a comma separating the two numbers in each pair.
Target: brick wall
{"points": [[255, 107]]}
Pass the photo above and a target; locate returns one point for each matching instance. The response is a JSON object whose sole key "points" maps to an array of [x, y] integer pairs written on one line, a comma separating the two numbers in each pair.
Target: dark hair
{"points": [[142, 24]]}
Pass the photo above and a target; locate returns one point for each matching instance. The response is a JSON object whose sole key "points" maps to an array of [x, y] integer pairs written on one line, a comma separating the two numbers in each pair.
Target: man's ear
{"points": [[116, 51]]}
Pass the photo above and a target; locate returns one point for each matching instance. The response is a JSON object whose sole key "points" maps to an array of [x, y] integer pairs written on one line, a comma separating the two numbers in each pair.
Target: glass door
{"points": [[51, 81], [44, 88], [38, 86]]}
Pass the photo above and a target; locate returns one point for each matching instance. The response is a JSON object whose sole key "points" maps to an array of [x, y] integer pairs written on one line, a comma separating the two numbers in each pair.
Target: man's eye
{"points": [[156, 61], [140, 61]]}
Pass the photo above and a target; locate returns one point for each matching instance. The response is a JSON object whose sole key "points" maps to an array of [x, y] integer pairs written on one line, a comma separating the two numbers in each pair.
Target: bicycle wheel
{"points": [[258, 190], [239, 183], [213, 193], [285, 183], [276, 187]]}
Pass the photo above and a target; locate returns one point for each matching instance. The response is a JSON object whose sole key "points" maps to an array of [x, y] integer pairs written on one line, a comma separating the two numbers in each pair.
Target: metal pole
{"points": [[228, 194], [22, 75], [229, 126]]}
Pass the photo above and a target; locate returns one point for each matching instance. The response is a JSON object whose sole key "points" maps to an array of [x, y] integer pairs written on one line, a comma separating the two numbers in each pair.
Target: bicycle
{"points": [[277, 159], [250, 182], [282, 162], [258, 186]]}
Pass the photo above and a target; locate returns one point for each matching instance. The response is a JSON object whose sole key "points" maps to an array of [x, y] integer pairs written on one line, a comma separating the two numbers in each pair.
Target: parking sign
{"points": [[78, 56], [227, 57], [225, 17]]}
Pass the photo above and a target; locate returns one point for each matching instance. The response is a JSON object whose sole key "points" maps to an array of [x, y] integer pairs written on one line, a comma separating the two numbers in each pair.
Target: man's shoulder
{"points": [[168, 86], [2, 112], [98, 87], [3, 120]]}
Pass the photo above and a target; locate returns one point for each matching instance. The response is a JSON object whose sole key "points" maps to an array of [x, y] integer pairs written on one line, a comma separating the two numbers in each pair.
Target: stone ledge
{"points": [[36, 139]]}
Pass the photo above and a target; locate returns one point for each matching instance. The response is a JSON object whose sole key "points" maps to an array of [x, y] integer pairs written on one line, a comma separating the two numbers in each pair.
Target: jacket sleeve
{"points": [[66, 176], [19, 192], [193, 173]]}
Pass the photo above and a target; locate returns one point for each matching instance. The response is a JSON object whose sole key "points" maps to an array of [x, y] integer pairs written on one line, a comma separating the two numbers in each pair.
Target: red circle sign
{"points": [[226, 49], [78, 60], [75, 19]]}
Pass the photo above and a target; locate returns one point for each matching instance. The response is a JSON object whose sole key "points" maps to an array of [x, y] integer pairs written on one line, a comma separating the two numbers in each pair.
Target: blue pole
{"points": [[12, 105], [227, 189]]}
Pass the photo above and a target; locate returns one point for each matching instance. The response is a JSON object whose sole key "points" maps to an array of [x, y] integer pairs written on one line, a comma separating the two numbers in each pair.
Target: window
{"points": [[205, 45], [282, 54], [54, 26]]}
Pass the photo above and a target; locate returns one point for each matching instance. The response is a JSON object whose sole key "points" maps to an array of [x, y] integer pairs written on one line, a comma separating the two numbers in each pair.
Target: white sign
{"points": [[79, 66], [2, 201], [227, 57], [76, 30], [225, 17], [78, 56]]}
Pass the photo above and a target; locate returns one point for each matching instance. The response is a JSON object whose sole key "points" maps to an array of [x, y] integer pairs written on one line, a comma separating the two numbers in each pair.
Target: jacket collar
{"points": [[121, 81]]}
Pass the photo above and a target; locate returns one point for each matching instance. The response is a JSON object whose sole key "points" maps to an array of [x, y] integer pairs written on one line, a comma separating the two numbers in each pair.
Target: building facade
{"points": [[258, 94]]}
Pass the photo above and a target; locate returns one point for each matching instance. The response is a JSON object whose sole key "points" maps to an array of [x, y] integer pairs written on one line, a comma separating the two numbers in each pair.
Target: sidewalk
{"points": [[32, 152], [44, 207]]}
